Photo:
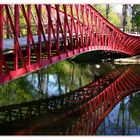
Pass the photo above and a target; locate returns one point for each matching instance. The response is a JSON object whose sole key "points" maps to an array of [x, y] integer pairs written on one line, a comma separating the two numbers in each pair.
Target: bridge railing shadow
{"points": [[87, 106], [88, 115], [63, 103], [100, 106]]}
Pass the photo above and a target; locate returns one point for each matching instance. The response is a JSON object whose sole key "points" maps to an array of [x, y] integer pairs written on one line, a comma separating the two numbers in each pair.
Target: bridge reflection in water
{"points": [[79, 112]]}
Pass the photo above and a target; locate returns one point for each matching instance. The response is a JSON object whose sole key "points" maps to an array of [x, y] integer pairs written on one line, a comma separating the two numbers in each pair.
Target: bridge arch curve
{"points": [[34, 36]]}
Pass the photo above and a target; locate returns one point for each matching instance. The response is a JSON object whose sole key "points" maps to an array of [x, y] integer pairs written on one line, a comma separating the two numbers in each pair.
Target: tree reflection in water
{"points": [[95, 111], [55, 80], [89, 105], [124, 119]]}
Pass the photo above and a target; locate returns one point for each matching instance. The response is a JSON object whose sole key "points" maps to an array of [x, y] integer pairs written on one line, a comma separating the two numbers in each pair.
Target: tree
{"points": [[100, 8], [107, 11], [124, 13], [135, 17], [132, 20], [115, 18]]}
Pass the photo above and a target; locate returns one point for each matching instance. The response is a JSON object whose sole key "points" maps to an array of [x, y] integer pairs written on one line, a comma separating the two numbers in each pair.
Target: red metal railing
{"points": [[34, 36], [94, 111], [86, 106], [86, 116]]}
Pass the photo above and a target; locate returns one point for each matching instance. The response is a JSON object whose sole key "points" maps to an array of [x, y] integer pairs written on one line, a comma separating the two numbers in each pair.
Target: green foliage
{"points": [[16, 91], [129, 24], [135, 17], [114, 18], [59, 78], [137, 20], [100, 8]]}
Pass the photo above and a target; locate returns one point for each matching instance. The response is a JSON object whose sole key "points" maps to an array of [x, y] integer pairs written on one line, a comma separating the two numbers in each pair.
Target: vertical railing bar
{"points": [[16, 35], [69, 30], [112, 38], [39, 9], [73, 27], [57, 32], [13, 14], [134, 46], [77, 31], [109, 38], [49, 32], [106, 28], [122, 42], [88, 28], [126, 41], [60, 24], [2, 59], [117, 44], [115, 40], [16, 38], [83, 28], [72, 44], [65, 30], [30, 32], [73, 21], [95, 18], [92, 29], [99, 33], [103, 28], [28, 35], [77, 14], [129, 41], [1, 35], [48, 7]]}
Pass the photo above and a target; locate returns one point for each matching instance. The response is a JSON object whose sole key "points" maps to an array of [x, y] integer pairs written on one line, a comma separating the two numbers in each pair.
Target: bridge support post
{"points": [[83, 28], [1, 36], [73, 29], [39, 33], [77, 29], [57, 32], [49, 32], [28, 36], [65, 32], [95, 26], [17, 32]]}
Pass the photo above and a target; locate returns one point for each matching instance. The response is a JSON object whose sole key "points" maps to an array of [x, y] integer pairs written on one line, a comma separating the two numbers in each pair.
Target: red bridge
{"points": [[34, 36]]}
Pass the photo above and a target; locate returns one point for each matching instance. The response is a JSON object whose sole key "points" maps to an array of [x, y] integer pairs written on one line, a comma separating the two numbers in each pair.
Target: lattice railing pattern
{"points": [[34, 36]]}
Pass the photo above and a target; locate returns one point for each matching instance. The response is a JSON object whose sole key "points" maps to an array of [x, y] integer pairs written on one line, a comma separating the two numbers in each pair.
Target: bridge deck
{"points": [[9, 43]]}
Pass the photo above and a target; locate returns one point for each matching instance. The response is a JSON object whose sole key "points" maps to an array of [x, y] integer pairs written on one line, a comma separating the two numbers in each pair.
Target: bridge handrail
{"points": [[81, 29], [109, 23]]}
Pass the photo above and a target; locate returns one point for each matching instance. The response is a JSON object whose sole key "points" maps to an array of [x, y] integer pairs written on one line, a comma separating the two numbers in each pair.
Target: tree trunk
{"points": [[132, 20], [124, 13], [107, 11]]}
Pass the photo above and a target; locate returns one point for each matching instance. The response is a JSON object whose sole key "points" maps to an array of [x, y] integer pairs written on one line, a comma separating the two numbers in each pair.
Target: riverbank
{"points": [[130, 60]]}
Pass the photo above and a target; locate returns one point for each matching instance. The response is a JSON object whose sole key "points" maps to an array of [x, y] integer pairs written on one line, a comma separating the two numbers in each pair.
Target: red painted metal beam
{"points": [[68, 30], [1, 35]]}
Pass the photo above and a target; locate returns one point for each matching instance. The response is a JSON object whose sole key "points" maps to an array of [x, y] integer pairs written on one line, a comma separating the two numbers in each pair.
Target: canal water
{"points": [[73, 98]]}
